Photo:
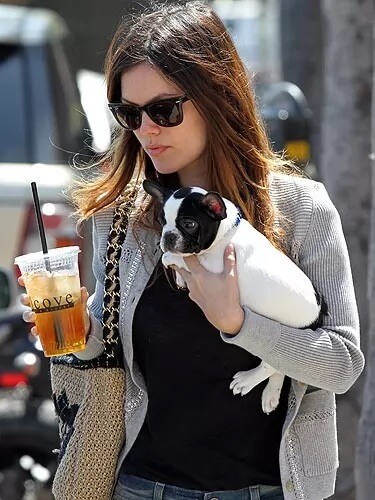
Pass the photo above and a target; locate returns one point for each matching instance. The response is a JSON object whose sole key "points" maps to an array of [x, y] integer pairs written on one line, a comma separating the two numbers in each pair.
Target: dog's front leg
{"points": [[169, 259], [243, 382], [271, 393]]}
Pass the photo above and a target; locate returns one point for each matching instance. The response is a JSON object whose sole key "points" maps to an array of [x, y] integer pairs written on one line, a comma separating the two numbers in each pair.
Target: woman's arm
{"points": [[328, 357]]}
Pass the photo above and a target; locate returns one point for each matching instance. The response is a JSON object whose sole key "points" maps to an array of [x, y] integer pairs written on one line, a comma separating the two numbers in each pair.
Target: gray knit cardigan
{"points": [[320, 362]]}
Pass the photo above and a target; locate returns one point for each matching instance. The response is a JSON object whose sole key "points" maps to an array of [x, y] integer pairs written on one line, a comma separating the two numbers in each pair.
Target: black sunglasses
{"points": [[166, 113]]}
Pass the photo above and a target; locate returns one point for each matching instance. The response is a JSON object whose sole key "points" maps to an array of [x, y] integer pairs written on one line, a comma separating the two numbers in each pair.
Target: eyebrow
{"points": [[158, 97]]}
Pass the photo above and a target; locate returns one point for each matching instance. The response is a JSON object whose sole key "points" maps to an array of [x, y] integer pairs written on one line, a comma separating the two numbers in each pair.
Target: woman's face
{"points": [[178, 149]]}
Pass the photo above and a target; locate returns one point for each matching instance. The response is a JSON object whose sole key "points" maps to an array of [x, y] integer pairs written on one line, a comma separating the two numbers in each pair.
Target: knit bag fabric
{"points": [[89, 395]]}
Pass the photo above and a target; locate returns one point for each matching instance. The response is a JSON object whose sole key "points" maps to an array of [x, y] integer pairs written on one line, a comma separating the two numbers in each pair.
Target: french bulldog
{"points": [[196, 221]]}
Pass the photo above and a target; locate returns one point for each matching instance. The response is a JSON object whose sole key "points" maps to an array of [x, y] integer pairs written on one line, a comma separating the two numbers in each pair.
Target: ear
{"points": [[156, 191], [214, 205]]}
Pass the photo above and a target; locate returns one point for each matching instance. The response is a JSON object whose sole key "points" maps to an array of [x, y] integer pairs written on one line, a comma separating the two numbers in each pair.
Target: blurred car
{"points": [[10, 309], [28, 427], [42, 118], [47, 117], [18, 225]]}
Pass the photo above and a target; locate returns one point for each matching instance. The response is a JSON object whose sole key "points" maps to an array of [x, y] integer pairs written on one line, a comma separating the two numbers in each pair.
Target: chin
{"points": [[169, 165], [164, 168]]}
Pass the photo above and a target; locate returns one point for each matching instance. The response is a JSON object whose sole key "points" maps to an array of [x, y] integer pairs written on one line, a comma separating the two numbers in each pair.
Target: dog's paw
{"points": [[241, 383], [270, 399], [168, 259]]}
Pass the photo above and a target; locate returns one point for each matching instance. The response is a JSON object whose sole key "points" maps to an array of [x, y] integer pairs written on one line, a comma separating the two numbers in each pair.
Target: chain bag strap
{"points": [[111, 299]]}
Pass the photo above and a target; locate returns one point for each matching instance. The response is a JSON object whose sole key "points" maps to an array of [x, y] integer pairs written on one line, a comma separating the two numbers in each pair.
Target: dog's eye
{"points": [[189, 224]]}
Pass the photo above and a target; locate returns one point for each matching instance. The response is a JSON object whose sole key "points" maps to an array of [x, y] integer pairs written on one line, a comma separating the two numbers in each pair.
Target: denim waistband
{"points": [[158, 491]]}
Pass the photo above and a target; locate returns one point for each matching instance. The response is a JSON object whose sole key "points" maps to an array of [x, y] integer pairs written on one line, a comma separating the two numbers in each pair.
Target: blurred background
{"points": [[311, 62]]}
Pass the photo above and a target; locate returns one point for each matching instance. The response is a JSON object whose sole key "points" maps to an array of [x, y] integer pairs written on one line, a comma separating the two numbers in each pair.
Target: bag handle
{"points": [[112, 291]]}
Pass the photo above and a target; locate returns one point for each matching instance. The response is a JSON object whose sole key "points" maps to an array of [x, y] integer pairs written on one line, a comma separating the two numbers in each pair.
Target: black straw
{"points": [[42, 232], [58, 333]]}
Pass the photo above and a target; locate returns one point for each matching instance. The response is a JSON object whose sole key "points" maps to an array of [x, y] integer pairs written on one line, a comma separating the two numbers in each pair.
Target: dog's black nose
{"points": [[170, 239]]}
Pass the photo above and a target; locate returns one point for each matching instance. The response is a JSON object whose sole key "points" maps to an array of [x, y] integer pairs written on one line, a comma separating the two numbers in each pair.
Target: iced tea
{"points": [[56, 302]]}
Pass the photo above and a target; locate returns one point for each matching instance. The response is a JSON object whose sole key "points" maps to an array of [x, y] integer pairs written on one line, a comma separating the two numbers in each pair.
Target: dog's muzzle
{"points": [[169, 241]]}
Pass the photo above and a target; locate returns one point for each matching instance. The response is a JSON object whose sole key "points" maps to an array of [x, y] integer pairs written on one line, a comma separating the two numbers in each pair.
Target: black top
{"points": [[197, 434]]}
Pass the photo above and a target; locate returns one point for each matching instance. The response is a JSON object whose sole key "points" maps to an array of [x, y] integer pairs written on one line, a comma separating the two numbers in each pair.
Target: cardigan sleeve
{"points": [[95, 346], [328, 357]]}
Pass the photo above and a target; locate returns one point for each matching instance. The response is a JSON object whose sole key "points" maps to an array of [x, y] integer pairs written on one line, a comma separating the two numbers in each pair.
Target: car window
{"points": [[13, 143], [4, 290]]}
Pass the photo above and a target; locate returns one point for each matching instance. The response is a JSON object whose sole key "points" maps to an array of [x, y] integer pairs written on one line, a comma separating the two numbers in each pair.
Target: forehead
{"points": [[181, 203], [143, 83]]}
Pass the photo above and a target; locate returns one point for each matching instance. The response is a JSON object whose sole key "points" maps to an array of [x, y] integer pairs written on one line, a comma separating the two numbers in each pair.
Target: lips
{"points": [[156, 150]]}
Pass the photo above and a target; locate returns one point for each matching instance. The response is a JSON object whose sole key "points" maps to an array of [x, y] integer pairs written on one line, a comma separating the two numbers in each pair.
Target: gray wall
{"points": [[92, 23]]}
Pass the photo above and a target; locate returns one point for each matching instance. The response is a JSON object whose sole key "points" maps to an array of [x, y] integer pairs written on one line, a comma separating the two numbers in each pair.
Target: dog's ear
{"points": [[214, 205], [156, 191]]}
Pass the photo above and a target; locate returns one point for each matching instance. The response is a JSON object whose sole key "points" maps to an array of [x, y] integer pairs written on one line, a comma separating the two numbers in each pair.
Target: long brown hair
{"points": [[190, 45]]}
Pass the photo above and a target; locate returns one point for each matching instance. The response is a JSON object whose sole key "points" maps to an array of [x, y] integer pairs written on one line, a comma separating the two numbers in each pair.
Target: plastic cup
{"points": [[53, 285]]}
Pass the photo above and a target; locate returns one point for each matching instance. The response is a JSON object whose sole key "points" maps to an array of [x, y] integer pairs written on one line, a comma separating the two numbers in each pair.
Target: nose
{"points": [[170, 240], [147, 125]]}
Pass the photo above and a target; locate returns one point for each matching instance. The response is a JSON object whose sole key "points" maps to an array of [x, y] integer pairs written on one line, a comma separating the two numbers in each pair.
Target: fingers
{"points": [[28, 316], [195, 266], [21, 281], [84, 295], [230, 261], [24, 299]]}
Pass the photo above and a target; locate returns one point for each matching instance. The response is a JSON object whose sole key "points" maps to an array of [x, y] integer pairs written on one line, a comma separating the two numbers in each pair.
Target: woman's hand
{"points": [[216, 294], [29, 316]]}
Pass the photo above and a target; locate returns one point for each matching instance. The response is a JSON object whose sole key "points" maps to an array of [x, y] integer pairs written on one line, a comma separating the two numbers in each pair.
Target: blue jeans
{"points": [[136, 488]]}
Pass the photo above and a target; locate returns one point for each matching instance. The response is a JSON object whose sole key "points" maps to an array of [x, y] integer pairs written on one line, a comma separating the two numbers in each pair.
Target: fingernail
{"points": [[28, 316], [231, 253]]}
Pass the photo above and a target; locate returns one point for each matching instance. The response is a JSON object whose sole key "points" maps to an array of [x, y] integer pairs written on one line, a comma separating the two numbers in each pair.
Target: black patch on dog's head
{"points": [[182, 193], [196, 224]]}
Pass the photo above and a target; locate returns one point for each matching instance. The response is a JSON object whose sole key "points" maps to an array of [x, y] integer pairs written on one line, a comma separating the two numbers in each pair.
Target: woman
{"points": [[187, 116]]}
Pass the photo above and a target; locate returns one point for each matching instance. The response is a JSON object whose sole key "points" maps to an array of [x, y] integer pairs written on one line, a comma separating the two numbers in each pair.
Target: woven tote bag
{"points": [[89, 395]]}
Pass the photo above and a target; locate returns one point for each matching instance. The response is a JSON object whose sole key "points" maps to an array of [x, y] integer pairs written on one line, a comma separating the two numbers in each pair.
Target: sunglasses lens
{"points": [[129, 117], [166, 113]]}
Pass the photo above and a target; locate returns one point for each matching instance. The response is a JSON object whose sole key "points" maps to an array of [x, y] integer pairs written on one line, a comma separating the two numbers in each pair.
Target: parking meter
{"points": [[287, 117]]}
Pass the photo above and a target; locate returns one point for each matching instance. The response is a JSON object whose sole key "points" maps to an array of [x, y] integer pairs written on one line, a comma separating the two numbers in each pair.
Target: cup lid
{"points": [[53, 253]]}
